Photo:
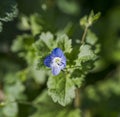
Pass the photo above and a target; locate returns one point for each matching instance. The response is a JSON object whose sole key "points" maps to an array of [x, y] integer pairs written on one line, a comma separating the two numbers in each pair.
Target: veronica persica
{"points": [[56, 61]]}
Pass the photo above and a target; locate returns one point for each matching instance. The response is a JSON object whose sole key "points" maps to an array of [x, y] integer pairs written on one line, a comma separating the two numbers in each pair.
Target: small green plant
{"points": [[78, 60], [52, 63]]}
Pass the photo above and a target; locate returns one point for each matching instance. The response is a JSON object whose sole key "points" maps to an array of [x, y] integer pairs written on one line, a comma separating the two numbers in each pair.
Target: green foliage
{"points": [[8, 10], [10, 106], [87, 21], [87, 87], [108, 92], [61, 89], [113, 53], [10, 110], [52, 109], [71, 8], [0, 26], [64, 43]]}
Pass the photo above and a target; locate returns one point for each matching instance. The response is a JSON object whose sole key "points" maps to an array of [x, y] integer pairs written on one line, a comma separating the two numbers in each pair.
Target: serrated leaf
{"points": [[62, 89], [86, 53], [8, 10], [86, 58], [64, 43], [48, 40], [43, 46]]}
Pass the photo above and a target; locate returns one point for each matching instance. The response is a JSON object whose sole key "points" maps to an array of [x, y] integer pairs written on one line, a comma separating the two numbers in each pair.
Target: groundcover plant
{"points": [[59, 58]]}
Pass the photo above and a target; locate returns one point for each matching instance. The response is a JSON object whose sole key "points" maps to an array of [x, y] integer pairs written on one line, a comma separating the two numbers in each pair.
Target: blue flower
{"points": [[56, 61]]}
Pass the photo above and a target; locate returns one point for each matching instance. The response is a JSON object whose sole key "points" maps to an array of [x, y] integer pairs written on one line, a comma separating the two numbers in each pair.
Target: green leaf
{"points": [[104, 94], [73, 113], [91, 38], [86, 58], [52, 110], [69, 7], [10, 110], [87, 21], [38, 75], [93, 17], [8, 10], [22, 42], [69, 113], [43, 46], [0, 26], [64, 43], [24, 23], [48, 39], [35, 21], [61, 88], [43, 101], [78, 81], [83, 21], [12, 82], [86, 53]]}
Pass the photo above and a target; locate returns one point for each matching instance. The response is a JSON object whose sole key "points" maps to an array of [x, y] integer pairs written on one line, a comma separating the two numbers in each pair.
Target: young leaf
{"points": [[93, 17], [64, 43], [87, 21], [83, 21]]}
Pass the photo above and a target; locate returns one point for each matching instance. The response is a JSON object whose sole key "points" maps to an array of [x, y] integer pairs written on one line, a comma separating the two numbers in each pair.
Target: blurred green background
{"points": [[100, 95]]}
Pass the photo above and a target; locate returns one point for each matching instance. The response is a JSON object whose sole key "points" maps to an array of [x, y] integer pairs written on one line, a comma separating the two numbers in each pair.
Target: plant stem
{"points": [[21, 102], [77, 98], [84, 34]]}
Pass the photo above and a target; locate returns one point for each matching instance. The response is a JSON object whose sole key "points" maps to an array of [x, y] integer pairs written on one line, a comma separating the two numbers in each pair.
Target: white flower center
{"points": [[57, 60]]}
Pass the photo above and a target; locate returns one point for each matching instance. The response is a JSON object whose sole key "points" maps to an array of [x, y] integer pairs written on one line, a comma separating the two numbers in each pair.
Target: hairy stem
{"points": [[84, 34]]}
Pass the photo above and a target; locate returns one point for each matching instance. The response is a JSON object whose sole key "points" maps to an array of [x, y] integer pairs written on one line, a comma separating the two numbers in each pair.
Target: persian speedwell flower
{"points": [[56, 61]]}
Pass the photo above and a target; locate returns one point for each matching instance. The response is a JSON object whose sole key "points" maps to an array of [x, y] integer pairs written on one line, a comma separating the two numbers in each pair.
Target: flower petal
{"points": [[63, 60], [55, 70], [62, 66], [57, 52], [48, 60]]}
